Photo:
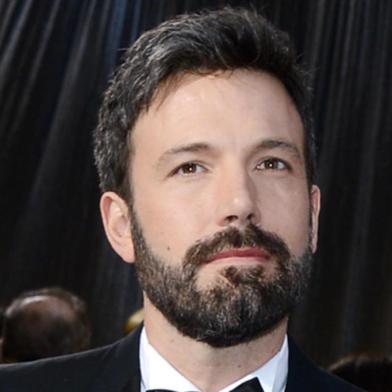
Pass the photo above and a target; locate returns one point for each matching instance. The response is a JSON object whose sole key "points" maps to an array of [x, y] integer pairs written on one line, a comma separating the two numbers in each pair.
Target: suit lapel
{"points": [[132, 386], [302, 373], [122, 368], [130, 354]]}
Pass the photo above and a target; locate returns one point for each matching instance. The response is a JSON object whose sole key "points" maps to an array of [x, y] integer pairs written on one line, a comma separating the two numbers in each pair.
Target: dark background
{"points": [[56, 58]]}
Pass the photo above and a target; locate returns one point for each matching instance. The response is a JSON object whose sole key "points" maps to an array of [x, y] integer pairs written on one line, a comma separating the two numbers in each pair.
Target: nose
{"points": [[238, 200]]}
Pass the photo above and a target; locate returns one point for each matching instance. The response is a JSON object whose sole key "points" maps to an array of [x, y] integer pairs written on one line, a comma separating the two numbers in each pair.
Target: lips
{"points": [[256, 253]]}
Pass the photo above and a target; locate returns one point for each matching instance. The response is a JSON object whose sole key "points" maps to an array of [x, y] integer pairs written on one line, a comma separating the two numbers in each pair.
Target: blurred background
{"points": [[56, 57]]}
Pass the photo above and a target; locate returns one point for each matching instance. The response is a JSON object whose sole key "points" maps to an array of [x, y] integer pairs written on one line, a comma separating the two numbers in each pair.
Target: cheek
{"points": [[171, 221], [286, 212]]}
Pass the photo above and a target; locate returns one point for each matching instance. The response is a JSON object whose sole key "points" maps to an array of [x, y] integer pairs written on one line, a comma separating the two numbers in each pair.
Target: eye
{"points": [[189, 168], [272, 164]]}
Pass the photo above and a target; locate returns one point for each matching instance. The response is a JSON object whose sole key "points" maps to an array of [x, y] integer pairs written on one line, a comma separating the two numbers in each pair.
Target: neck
{"points": [[210, 368]]}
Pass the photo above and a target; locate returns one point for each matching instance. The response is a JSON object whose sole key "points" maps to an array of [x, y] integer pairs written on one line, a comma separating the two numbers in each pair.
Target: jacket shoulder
{"points": [[305, 376], [74, 372], [42, 375]]}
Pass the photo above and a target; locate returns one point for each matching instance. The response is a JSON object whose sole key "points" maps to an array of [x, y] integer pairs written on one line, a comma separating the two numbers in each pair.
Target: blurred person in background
{"points": [[370, 372], [44, 323], [1, 331]]}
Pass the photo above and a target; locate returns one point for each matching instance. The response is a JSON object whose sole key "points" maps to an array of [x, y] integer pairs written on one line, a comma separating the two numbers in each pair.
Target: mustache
{"points": [[234, 238]]}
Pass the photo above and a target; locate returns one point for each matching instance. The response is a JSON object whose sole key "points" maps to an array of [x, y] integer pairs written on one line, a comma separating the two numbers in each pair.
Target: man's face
{"points": [[221, 214]]}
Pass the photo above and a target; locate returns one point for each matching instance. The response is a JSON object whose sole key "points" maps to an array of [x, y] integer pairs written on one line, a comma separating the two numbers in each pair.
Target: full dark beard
{"points": [[241, 305]]}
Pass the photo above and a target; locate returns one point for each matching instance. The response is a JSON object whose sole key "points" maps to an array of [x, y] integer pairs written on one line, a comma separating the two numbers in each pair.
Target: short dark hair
{"points": [[44, 323], [200, 43]]}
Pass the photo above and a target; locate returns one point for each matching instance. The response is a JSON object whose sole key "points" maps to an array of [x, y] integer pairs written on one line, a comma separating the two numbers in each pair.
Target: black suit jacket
{"points": [[115, 368]]}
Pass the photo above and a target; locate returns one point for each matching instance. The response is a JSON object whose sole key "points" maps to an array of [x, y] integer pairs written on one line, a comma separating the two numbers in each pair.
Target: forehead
{"points": [[240, 105]]}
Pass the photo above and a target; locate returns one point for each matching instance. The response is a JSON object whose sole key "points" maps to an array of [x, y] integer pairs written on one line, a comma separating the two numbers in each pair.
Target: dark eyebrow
{"points": [[266, 144], [192, 147], [270, 144]]}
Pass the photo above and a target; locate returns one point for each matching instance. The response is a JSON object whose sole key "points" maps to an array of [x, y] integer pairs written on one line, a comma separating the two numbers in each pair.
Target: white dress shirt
{"points": [[157, 373]]}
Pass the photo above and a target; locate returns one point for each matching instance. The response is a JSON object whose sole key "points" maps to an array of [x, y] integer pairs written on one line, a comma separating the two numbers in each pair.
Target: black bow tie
{"points": [[252, 385]]}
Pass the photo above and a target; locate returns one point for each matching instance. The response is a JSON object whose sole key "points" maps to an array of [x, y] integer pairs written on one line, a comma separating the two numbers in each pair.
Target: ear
{"points": [[115, 217], [315, 196]]}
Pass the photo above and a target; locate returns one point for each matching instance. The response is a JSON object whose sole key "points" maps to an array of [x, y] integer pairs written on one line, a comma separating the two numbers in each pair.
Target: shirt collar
{"points": [[157, 373]]}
